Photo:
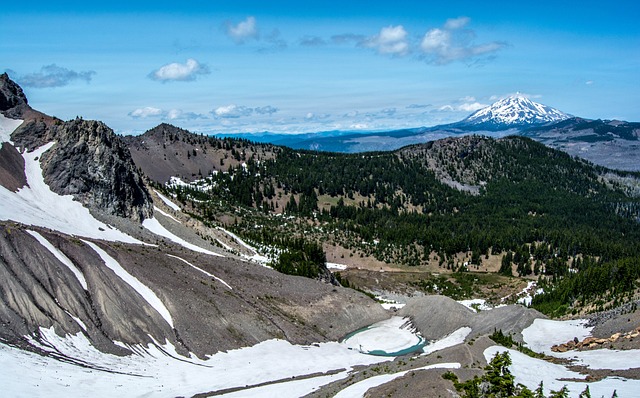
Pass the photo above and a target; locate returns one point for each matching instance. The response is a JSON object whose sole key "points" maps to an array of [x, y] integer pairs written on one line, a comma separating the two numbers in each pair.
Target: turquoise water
{"points": [[381, 353]]}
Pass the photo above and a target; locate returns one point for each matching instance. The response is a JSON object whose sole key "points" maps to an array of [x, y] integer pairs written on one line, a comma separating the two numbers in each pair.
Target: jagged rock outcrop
{"points": [[13, 102], [88, 161]]}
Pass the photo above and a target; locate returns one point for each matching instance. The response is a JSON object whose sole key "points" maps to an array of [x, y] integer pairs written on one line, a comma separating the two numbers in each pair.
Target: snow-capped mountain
{"points": [[514, 111]]}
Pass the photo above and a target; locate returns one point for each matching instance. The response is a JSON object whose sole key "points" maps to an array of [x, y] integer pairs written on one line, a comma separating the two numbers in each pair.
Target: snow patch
{"points": [[335, 266], [359, 389], [7, 127], [157, 370], [255, 257], [132, 281], [167, 201], [201, 270], [154, 226], [385, 337], [155, 208], [455, 338], [530, 371], [543, 333], [60, 256], [36, 204]]}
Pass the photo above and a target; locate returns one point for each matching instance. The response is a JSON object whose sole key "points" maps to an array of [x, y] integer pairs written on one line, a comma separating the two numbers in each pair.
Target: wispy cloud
{"points": [[453, 42], [266, 110], [243, 31], [176, 71], [348, 38], [233, 111], [273, 42], [312, 41], [54, 76], [418, 106], [150, 112], [392, 40]]}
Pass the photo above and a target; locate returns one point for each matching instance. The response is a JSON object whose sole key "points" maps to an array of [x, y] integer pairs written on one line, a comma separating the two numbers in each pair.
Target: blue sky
{"points": [[286, 66]]}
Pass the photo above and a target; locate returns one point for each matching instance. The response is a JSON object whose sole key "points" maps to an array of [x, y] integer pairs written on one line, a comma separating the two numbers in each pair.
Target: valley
{"points": [[177, 264]]}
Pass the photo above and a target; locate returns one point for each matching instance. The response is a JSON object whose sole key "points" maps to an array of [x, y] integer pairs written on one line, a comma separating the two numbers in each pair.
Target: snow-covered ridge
{"points": [[37, 204], [516, 110]]}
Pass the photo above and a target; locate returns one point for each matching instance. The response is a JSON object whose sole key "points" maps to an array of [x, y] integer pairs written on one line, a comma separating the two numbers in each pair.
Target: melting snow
{"points": [[60, 256], [158, 371], [530, 371], [543, 333], [154, 226], [359, 389], [201, 270], [167, 201], [255, 257], [155, 208], [335, 266], [36, 204], [132, 281], [455, 338], [389, 336], [7, 127]]}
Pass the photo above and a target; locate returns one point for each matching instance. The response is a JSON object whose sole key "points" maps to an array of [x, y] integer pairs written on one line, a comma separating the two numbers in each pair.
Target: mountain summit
{"points": [[514, 111]]}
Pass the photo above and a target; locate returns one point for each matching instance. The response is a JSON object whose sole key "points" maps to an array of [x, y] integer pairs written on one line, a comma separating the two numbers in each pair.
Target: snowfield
{"points": [[167, 201], [385, 337], [530, 371], [132, 281], [538, 337], [359, 389], [61, 257], [282, 369], [36, 204], [154, 226], [7, 127]]}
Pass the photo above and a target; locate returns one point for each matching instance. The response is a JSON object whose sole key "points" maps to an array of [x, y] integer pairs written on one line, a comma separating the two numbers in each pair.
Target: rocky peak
{"points": [[13, 102], [90, 162]]}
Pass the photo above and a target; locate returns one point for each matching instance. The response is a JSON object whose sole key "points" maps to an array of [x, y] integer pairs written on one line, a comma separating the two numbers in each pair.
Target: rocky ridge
{"points": [[88, 161]]}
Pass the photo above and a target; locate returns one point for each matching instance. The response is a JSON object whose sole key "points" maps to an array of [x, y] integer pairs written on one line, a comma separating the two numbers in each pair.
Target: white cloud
{"points": [[266, 110], [232, 111], [312, 41], [589, 82], [172, 114], [146, 112], [454, 43], [244, 30], [468, 98], [188, 71], [392, 40], [417, 106], [463, 107], [471, 107], [54, 76], [457, 23]]}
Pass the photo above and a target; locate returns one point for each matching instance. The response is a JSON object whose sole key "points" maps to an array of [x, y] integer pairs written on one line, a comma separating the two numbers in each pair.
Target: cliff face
{"points": [[13, 102], [88, 161]]}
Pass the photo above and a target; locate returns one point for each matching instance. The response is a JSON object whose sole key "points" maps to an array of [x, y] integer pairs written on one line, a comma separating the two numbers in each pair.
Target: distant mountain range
{"points": [[610, 143]]}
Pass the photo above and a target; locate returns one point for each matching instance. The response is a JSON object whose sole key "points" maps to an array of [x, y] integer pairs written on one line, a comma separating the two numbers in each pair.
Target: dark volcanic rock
{"points": [[38, 291], [13, 102], [12, 174], [90, 162]]}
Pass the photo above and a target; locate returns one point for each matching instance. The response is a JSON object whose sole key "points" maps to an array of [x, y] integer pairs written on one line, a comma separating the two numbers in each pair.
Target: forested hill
{"points": [[472, 195]]}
